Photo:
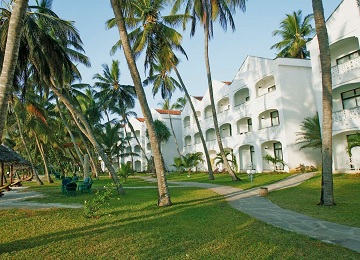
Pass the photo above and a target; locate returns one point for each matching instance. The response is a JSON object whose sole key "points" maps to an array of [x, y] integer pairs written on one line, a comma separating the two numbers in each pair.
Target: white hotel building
{"points": [[261, 109]]}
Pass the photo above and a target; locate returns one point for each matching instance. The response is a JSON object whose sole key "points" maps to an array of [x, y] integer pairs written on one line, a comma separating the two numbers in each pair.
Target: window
{"points": [[247, 99], [348, 57], [249, 123], [351, 99], [274, 118], [271, 89]]}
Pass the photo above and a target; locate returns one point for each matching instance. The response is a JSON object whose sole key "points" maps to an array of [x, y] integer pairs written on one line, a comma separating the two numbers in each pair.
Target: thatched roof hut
{"points": [[8, 157]]}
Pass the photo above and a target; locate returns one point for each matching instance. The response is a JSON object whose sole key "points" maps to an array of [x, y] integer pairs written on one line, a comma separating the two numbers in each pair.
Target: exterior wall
{"points": [[344, 34], [169, 150], [261, 87]]}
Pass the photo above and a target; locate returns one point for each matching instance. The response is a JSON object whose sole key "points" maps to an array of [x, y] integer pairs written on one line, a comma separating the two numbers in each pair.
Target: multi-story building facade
{"points": [[259, 113], [343, 33]]}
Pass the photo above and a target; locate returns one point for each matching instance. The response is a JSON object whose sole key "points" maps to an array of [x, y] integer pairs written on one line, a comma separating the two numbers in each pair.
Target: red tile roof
{"points": [[141, 119], [197, 97], [171, 112], [227, 82]]}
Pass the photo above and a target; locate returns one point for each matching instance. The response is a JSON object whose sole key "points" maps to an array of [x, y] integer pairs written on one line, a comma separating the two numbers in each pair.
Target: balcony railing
{"points": [[242, 110], [345, 67], [269, 133], [347, 118]]}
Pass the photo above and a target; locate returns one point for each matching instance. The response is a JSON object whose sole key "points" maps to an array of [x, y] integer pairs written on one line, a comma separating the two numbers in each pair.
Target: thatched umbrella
{"points": [[7, 157]]}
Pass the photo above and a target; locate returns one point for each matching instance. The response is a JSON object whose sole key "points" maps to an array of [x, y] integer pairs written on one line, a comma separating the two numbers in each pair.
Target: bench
{"points": [[85, 185], [68, 187]]}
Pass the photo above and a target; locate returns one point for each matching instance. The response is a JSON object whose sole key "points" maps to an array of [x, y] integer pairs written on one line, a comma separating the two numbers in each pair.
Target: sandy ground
{"points": [[17, 196]]}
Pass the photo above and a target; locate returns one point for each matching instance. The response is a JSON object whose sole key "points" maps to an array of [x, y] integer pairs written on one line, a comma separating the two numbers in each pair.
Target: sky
{"points": [[227, 50]]}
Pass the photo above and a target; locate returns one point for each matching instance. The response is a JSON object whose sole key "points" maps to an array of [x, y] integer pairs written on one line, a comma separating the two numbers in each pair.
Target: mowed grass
{"points": [[305, 197], [200, 225]]}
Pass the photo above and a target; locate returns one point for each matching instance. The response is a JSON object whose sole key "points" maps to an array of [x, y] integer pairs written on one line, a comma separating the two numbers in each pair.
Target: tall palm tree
{"points": [[50, 45], [327, 186], [112, 93], [310, 137], [119, 10], [207, 12], [295, 33], [11, 49]]}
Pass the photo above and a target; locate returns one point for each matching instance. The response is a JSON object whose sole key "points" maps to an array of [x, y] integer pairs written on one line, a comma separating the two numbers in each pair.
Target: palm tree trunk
{"points": [[211, 92], [35, 174], [11, 57], [87, 131], [164, 195], [42, 153], [206, 152], [327, 192], [71, 135], [94, 167]]}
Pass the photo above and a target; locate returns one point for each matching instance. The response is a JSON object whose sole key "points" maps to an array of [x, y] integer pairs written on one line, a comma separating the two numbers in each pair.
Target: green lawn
{"points": [[200, 225], [304, 199], [260, 179]]}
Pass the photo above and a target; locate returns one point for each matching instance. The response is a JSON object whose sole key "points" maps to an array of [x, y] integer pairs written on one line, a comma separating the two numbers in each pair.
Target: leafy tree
{"points": [[310, 136], [295, 33], [327, 186]]}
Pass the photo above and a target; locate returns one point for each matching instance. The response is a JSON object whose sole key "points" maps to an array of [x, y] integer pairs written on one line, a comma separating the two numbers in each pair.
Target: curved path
{"points": [[249, 202]]}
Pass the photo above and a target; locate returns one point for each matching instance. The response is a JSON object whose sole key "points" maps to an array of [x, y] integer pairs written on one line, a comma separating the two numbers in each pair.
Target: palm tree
{"points": [[310, 137], [52, 64], [160, 42], [163, 191], [295, 33], [112, 93], [327, 186], [230, 157], [206, 12], [11, 50]]}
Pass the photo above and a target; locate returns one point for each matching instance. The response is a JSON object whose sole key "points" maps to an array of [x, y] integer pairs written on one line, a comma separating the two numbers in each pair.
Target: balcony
{"points": [[269, 133], [345, 72], [244, 138], [346, 119], [266, 101], [242, 110]]}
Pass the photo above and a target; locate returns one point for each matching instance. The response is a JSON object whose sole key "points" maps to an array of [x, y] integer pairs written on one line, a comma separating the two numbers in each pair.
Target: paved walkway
{"points": [[249, 202]]}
